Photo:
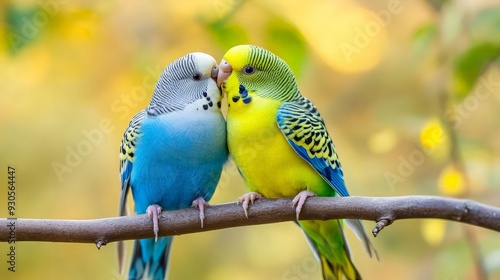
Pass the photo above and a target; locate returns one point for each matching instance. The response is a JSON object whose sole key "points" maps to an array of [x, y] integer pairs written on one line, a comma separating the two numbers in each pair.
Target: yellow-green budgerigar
{"points": [[280, 144]]}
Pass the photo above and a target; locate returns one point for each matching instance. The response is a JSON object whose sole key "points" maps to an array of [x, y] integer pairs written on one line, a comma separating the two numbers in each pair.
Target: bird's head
{"points": [[259, 71], [188, 83]]}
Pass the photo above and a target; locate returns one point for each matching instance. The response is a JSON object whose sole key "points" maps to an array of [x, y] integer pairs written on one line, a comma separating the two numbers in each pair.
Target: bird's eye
{"points": [[196, 76], [249, 70]]}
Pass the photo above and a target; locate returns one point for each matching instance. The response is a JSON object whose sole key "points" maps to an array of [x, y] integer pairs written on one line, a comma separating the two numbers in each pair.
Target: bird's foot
{"points": [[246, 199], [299, 200], [200, 203], [153, 211]]}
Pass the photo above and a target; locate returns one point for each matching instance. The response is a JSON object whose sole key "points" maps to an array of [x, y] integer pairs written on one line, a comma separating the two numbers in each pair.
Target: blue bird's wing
{"points": [[127, 152], [306, 132]]}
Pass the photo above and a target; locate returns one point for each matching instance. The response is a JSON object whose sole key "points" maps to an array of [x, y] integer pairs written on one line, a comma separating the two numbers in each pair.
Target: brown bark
{"points": [[382, 210]]}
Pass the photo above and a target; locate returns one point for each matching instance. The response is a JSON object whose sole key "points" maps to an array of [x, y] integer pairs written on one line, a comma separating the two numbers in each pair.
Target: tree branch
{"points": [[382, 210]]}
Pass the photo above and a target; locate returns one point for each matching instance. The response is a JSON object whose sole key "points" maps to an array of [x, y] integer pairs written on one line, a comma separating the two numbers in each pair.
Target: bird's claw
{"points": [[246, 199], [200, 203], [300, 199], [153, 211]]}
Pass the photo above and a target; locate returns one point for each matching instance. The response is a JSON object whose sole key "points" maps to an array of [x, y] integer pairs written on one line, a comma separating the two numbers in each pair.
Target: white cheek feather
{"points": [[209, 103], [204, 63]]}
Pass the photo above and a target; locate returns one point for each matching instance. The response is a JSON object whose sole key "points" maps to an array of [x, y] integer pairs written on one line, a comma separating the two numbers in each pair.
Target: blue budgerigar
{"points": [[172, 154]]}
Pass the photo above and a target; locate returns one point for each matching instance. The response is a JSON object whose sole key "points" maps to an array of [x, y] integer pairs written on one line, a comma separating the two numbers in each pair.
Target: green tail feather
{"points": [[329, 245], [332, 271]]}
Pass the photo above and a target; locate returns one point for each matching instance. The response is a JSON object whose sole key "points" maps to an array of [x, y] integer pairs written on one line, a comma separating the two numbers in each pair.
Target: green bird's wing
{"points": [[306, 132]]}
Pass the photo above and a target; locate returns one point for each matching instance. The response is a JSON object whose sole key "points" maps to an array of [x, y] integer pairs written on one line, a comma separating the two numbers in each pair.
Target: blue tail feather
{"points": [[151, 258]]}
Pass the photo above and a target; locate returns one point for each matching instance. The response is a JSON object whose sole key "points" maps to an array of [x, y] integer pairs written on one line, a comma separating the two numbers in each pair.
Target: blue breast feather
{"points": [[177, 159]]}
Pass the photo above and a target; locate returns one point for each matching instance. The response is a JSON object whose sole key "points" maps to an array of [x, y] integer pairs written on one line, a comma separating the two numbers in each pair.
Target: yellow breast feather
{"points": [[253, 134]]}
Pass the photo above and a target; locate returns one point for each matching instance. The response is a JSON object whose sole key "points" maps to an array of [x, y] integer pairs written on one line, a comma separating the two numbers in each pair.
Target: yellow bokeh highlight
{"points": [[452, 182], [433, 231], [346, 36], [432, 134], [383, 141], [79, 25], [434, 139]]}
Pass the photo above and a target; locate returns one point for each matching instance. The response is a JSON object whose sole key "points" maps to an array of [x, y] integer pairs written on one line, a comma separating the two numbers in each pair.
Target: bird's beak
{"points": [[215, 72], [225, 70]]}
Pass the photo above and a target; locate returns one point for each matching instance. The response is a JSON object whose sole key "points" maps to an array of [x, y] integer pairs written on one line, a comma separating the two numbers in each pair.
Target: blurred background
{"points": [[409, 90]]}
